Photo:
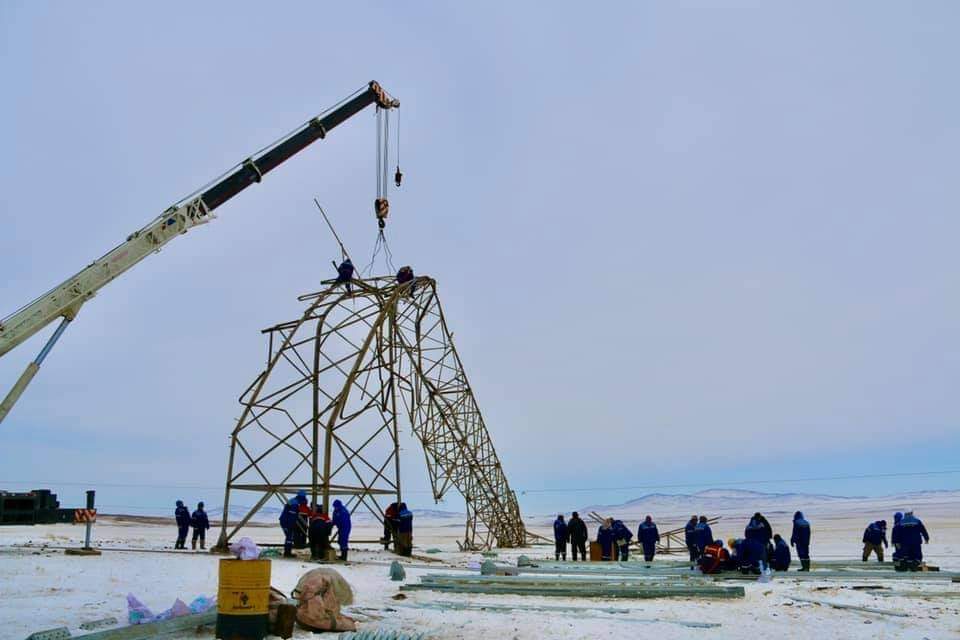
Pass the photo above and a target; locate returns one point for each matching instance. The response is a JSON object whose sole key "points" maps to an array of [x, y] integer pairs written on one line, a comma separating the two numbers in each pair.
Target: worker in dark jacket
{"points": [[704, 535], [345, 274], [896, 537], [800, 538], [320, 529], [605, 538], [623, 536], [182, 514], [341, 520], [744, 555], [560, 537], [288, 520], [648, 537], [690, 538], [577, 531], [873, 536], [404, 545], [200, 524], [390, 524], [781, 554], [913, 534], [404, 276], [755, 535]]}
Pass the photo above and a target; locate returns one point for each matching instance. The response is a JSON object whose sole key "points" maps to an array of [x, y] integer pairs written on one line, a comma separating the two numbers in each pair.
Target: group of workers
{"points": [[198, 520], [303, 526], [758, 549], [346, 269]]}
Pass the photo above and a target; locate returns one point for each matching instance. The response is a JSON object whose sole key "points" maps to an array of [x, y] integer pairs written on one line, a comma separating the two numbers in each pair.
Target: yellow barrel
{"points": [[244, 587]]}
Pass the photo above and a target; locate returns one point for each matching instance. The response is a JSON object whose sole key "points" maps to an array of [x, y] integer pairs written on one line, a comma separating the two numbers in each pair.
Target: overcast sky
{"points": [[680, 244]]}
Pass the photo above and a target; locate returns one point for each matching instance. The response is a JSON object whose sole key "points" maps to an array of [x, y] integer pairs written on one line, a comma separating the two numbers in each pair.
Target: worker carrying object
{"points": [[182, 515], [345, 274], [623, 536]]}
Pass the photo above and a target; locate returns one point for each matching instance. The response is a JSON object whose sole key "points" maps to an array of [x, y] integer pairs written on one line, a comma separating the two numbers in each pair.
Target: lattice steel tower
{"points": [[325, 413]]}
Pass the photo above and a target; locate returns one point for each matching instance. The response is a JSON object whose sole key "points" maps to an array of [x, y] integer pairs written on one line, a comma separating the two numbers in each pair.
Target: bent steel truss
{"points": [[324, 414]]}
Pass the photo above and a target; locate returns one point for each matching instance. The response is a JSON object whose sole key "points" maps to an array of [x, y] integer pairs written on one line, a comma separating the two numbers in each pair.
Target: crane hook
{"points": [[397, 177]]}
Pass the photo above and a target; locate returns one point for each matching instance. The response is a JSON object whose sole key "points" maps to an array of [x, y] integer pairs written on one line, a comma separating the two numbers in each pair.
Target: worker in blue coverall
{"points": [[341, 519], [704, 535], [757, 536], [800, 538], [623, 536], [913, 534], [605, 539], [200, 524], [781, 554], [404, 543], [873, 536], [743, 555], [288, 520], [345, 274], [182, 514], [648, 536], [896, 537], [690, 538], [560, 537]]}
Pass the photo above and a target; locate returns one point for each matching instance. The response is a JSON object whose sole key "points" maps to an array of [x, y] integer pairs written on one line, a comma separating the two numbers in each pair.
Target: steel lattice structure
{"points": [[325, 413]]}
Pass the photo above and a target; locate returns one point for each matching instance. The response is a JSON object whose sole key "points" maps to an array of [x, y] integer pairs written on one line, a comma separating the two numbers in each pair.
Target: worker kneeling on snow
{"points": [[715, 558]]}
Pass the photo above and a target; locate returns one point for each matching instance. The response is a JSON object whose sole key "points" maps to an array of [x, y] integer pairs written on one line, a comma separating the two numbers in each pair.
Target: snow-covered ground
{"points": [[41, 588]]}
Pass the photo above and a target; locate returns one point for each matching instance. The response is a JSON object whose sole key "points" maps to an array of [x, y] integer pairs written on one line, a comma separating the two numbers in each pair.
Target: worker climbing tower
{"points": [[339, 385]]}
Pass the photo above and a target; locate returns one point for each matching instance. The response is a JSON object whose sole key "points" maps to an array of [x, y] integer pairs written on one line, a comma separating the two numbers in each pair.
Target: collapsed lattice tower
{"points": [[325, 413]]}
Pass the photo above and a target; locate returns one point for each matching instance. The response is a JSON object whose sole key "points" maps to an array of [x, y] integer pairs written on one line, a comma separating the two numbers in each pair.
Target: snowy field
{"points": [[41, 588]]}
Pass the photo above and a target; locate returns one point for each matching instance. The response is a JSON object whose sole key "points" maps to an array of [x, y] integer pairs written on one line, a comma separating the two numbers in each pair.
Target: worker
{"points": [[605, 539], [781, 554], [800, 538], [200, 524], [288, 521], [622, 535], [912, 535], [389, 524], [648, 537], [690, 537], [404, 545], [404, 276], [345, 274], [714, 558], [896, 538], [756, 536], [745, 555], [320, 528], [303, 520], [873, 536], [182, 514], [577, 531], [560, 536], [704, 535], [341, 519]]}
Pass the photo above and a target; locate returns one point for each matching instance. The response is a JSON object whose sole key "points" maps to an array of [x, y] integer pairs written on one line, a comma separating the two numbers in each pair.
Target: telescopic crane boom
{"points": [[65, 300]]}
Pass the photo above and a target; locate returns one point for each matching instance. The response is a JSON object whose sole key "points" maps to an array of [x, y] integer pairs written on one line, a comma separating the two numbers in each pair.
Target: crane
{"points": [[65, 300]]}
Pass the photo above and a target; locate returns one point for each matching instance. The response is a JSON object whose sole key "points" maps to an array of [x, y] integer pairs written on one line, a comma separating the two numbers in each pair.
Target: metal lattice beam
{"points": [[324, 413]]}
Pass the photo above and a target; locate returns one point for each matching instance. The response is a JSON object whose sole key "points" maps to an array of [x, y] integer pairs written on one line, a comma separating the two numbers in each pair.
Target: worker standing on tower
{"points": [[345, 274]]}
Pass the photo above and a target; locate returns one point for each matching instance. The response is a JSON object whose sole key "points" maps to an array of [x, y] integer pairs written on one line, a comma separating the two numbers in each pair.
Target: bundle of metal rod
{"points": [[511, 585]]}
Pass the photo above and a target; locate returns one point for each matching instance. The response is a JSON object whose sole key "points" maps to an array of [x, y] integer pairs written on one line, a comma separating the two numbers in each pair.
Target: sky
{"points": [[681, 245]]}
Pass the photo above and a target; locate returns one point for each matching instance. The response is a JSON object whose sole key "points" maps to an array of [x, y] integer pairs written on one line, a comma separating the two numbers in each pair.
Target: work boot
{"points": [[804, 565], [202, 544], [193, 544], [343, 555]]}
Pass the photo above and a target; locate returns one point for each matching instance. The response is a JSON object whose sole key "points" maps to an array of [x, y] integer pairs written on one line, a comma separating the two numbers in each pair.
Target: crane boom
{"points": [[65, 300]]}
